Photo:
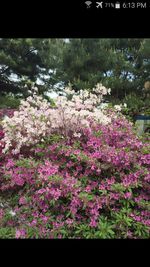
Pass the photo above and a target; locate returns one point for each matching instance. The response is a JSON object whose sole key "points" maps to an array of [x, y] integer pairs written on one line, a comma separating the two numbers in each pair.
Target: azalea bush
{"points": [[88, 177], [36, 119]]}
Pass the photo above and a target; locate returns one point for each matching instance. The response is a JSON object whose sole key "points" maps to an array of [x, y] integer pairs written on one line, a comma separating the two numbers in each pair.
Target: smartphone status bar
{"points": [[116, 5]]}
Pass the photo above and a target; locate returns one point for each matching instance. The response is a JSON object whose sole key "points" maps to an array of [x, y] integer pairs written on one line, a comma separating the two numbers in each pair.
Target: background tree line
{"points": [[121, 64]]}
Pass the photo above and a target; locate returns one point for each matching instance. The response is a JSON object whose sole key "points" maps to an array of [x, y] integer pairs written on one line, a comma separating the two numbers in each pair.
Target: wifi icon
{"points": [[88, 3]]}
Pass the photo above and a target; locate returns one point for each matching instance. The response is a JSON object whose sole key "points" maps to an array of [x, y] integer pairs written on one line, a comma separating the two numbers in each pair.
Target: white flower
{"points": [[117, 107], [12, 213], [15, 151], [68, 90], [109, 91], [125, 105], [35, 89], [77, 135], [103, 105]]}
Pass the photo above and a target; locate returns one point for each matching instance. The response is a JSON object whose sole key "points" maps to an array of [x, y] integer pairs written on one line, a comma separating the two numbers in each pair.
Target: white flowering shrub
{"points": [[36, 119]]}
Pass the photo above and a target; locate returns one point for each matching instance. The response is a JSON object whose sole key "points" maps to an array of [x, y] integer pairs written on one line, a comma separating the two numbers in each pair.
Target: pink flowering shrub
{"points": [[74, 170], [93, 185]]}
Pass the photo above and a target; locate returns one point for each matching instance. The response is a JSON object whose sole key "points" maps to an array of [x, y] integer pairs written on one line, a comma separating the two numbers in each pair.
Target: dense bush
{"points": [[92, 185]]}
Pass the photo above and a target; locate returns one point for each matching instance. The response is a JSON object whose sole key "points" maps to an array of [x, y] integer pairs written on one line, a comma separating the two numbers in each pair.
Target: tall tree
{"points": [[23, 61], [122, 64]]}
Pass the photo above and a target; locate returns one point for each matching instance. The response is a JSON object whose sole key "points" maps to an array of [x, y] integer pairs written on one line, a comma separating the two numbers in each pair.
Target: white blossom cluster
{"points": [[36, 119]]}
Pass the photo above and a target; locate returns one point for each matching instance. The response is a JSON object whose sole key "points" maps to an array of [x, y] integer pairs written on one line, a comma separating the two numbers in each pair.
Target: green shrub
{"points": [[9, 102], [136, 105]]}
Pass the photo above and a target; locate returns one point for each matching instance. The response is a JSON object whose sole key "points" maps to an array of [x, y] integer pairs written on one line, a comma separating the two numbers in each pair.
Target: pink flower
{"points": [[33, 223], [19, 180], [102, 187], [20, 233], [1, 213], [44, 219], [111, 181], [128, 195], [10, 163], [69, 221], [41, 191], [93, 223], [93, 167], [88, 189], [22, 201], [59, 236]]}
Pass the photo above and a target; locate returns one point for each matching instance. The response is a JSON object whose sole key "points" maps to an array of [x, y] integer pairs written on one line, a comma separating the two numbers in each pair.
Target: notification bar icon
{"points": [[99, 4], [117, 5]]}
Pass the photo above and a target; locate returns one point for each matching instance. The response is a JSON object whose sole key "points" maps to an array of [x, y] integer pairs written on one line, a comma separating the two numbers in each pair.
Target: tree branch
{"points": [[4, 70]]}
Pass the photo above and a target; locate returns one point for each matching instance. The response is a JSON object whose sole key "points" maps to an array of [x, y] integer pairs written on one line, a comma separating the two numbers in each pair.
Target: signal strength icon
{"points": [[88, 4]]}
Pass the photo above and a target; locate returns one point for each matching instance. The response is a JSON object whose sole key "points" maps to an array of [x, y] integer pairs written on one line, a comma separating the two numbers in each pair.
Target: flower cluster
{"points": [[36, 119]]}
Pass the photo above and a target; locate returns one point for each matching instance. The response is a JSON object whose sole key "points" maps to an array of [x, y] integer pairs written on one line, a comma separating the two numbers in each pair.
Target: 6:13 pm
{"points": [[129, 5]]}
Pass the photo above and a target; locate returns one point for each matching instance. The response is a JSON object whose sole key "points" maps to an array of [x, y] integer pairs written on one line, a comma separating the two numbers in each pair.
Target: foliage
{"points": [[24, 61], [9, 102], [121, 64], [136, 105], [7, 232]]}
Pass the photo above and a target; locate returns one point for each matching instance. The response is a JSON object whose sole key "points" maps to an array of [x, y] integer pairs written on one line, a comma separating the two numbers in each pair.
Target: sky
{"points": [[52, 94]]}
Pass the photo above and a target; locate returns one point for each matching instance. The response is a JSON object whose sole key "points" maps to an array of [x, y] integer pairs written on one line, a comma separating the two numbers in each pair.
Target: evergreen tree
{"points": [[122, 64], [24, 61]]}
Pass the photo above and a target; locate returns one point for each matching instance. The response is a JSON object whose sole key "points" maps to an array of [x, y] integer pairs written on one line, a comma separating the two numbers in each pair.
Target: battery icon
{"points": [[117, 5]]}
